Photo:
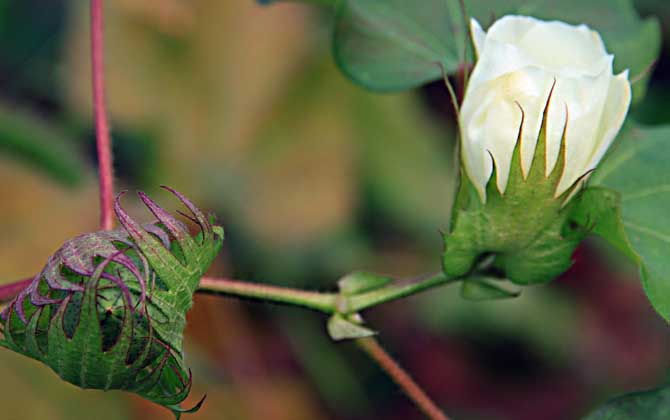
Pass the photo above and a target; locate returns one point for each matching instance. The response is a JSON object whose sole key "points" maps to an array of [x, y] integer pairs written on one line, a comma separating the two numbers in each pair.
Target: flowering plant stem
{"points": [[324, 302], [8, 291], [103, 139], [377, 353], [329, 303]]}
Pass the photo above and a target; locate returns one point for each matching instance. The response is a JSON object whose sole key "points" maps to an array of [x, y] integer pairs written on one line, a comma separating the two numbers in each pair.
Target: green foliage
{"points": [[410, 165], [30, 139], [599, 211], [363, 153], [648, 405], [108, 311], [638, 224], [543, 317], [57, 400], [391, 45]]}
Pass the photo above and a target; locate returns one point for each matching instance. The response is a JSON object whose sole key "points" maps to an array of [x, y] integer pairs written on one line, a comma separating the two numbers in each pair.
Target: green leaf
{"points": [[485, 288], [32, 140], [542, 317], [404, 150], [391, 45], [637, 169], [347, 328], [599, 210], [648, 405]]}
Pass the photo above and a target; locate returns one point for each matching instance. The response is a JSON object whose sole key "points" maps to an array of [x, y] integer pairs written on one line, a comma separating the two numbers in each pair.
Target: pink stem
{"points": [[9, 291], [401, 378], [103, 140]]}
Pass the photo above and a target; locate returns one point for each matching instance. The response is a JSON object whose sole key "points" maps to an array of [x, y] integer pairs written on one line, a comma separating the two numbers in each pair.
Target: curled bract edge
{"points": [[108, 310]]}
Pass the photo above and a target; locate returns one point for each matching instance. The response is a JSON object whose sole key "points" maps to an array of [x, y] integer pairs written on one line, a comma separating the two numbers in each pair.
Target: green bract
{"points": [[108, 310], [528, 228]]}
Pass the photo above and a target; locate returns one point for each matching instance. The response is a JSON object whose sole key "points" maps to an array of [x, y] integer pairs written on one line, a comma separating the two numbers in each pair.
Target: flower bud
{"points": [[520, 61], [108, 310], [541, 109]]}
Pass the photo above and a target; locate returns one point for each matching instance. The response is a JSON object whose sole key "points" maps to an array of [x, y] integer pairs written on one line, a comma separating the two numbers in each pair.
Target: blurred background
{"points": [[241, 108]]}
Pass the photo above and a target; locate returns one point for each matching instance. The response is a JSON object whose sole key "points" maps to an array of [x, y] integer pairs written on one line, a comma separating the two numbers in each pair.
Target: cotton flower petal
{"points": [[478, 35], [522, 61]]}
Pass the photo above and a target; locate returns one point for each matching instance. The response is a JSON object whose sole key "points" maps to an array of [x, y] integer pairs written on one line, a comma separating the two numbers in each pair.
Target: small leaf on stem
{"points": [[347, 328], [485, 288], [361, 282]]}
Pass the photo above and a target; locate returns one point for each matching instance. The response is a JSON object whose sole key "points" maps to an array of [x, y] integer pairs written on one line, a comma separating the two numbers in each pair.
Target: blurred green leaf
{"points": [[599, 210], [337, 381], [30, 392], [543, 317], [638, 169], [361, 282], [409, 164], [317, 161], [483, 288], [3, 14], [648, 405], [391, 45], [31, 139]]}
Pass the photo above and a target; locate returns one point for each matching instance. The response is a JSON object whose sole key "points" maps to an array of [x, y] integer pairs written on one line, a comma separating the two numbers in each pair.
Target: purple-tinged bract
{"points": [[108, 310]]}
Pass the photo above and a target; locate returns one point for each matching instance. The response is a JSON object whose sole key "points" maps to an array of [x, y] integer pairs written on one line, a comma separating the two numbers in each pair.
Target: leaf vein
{"points": [[647, 192], [648, 231]]}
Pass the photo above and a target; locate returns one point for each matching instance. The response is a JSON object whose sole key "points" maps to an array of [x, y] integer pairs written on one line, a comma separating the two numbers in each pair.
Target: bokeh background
{"points": [[241, 108]]}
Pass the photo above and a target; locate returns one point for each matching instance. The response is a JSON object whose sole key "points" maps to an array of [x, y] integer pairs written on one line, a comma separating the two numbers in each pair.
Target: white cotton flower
{"points": [[520, 60]]}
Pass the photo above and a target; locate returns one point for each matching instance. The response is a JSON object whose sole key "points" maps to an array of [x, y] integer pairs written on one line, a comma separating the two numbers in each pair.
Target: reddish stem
{"points": [[401, 378], [103, 140], [9, 291]]}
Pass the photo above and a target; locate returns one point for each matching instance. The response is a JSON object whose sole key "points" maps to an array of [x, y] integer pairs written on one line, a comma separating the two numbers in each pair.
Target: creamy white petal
{"points": [[553, 43], [616, 107], [586, 99], [497, 59], [476, 159], [478, 35], [533, 99], [519, 60], [511, 29], [579, 97], [557, 46]]}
